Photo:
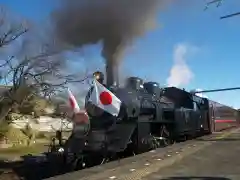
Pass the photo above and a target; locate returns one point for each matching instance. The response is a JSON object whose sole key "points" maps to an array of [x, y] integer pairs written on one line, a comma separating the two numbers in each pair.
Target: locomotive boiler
{"points": [[150, 117]]}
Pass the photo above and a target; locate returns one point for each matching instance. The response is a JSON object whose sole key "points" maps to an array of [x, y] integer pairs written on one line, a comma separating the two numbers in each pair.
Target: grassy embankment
{"points": [[23, 143]]}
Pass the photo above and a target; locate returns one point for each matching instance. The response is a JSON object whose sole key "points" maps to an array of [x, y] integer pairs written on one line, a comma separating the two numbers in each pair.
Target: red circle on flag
{"points": [[105, 98]]}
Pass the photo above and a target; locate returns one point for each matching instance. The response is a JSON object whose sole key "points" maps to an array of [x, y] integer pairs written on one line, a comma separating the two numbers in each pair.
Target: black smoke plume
{"points": [[116, 23]]}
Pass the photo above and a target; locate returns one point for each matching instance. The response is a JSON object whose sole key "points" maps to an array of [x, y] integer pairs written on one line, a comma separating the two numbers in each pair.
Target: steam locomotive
{"points": [[150, 117]]}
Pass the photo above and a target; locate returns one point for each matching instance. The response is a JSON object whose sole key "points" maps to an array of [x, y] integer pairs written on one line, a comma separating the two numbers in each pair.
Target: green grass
{"points": [[20, 140]]}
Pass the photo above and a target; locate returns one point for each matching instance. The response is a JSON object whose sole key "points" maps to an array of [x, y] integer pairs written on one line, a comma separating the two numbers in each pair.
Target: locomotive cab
{"points": [[191, 112]]}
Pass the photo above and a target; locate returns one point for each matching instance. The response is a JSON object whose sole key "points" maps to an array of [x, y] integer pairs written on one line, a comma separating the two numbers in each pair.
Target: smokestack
{"points": [[117, 75], [111, 69], [112, 75]]}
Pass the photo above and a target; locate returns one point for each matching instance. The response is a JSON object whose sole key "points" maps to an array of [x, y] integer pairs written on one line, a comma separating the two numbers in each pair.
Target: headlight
{"points": [[60, 150]]}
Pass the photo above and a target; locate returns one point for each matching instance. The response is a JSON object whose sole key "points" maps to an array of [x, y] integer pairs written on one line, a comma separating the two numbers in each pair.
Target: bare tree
{"points": [[41, 72]]}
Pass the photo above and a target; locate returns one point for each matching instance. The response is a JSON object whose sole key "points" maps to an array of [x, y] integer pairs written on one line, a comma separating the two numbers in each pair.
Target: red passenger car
{"points": [[222, 116]]}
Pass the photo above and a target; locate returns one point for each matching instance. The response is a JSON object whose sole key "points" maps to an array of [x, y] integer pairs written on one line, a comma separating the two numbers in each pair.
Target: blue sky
{"points": [[204, 47]]}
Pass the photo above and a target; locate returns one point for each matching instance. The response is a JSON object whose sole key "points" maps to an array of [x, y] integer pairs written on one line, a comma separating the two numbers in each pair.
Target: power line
{"points": [[230, 15], [219, 3], [217, 90]]}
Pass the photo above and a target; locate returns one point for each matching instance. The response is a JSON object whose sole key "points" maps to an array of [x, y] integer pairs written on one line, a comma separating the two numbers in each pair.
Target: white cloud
{"points": [[180, 73]]}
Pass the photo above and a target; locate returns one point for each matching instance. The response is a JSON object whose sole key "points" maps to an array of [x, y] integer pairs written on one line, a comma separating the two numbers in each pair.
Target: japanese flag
{"points": [[104, 99], [73, 102], [79, 115]]}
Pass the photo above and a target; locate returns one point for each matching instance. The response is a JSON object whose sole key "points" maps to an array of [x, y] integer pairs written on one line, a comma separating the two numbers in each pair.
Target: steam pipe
{"points": [[217, 90]]}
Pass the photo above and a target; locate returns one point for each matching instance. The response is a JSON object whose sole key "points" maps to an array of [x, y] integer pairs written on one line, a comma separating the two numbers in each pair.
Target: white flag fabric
{"points": [[104, 99], [73, 102]]}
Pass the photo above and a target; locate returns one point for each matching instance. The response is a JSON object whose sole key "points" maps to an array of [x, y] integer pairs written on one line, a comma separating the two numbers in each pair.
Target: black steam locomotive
{"points": [[150, 117]]}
